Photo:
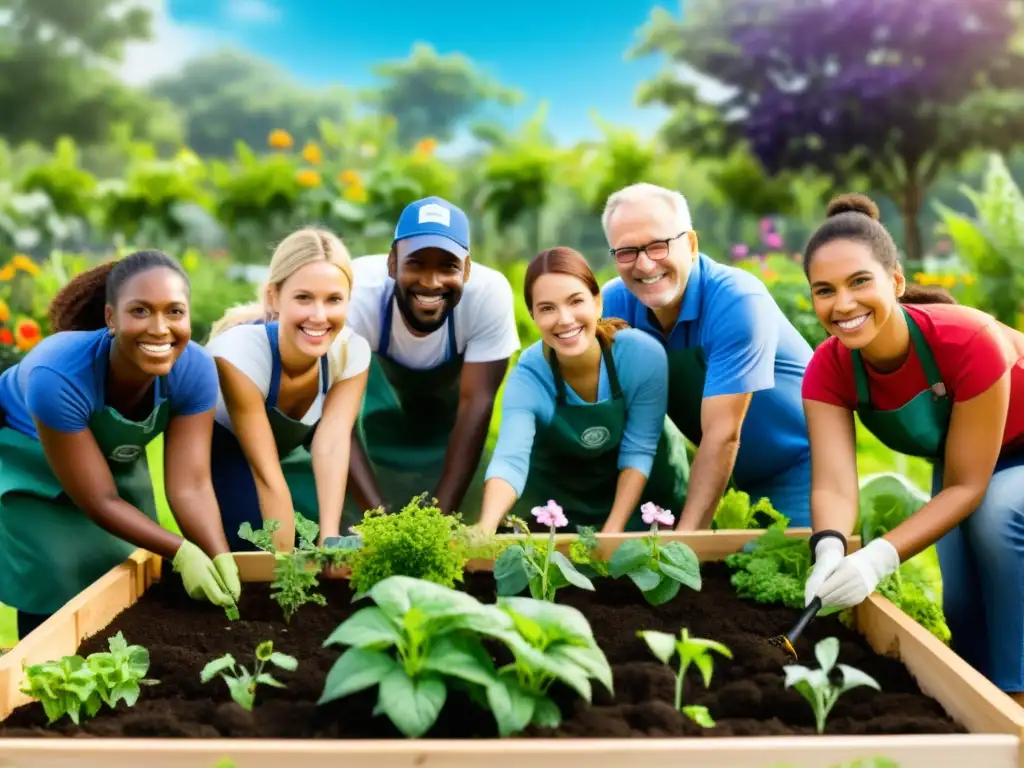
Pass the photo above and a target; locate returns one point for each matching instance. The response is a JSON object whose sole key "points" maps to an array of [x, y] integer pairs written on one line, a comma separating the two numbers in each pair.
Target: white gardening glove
{"points": [[828, 554], [858, 575]]}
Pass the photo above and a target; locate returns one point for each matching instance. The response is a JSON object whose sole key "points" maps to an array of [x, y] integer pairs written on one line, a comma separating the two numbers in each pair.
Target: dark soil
{"points": [[746, 697]]}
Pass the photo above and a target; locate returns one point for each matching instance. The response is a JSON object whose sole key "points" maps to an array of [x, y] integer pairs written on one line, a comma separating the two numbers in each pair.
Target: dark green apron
{"points": [[233, 481], [575, 459], [919, 427], [49, 549], [405, 422]]}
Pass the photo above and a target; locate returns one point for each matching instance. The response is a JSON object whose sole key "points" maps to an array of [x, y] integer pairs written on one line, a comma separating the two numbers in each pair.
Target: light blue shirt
{"points": [[749, 345], [529, 400]]}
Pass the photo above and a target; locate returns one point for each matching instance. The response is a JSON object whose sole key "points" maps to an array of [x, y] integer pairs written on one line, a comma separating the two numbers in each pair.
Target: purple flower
{"points": [[550, 514], [652, 513], [766, 226]]}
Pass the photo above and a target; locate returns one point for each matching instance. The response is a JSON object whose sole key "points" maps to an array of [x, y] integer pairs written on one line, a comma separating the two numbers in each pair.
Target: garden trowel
{"points": [[787, 640]]}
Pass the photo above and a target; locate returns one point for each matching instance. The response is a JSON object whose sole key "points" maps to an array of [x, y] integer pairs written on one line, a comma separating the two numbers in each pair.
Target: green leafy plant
{"points": [[816, 685], [73, 685], [582, 552], [420, 541], [418, 638], [544, 570], [551, 642], [773, 568], [295, 573], [691, 650], [241, 682], [657, 569], [735, 512]]}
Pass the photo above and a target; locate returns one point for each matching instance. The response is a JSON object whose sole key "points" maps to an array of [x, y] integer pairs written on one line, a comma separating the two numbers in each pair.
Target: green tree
{"points": [[56, 79]]}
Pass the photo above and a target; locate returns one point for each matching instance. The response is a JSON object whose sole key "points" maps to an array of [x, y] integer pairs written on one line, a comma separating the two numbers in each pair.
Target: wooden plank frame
{"points": [[994, 721]]}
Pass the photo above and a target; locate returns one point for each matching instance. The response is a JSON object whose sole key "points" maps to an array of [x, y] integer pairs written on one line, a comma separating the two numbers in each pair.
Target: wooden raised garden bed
{"points": [[933, 710]]}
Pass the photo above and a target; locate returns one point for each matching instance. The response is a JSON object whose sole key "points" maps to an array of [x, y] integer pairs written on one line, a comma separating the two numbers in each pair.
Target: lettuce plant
{"points": [[658, 570], [691, 650], [544, 570], [73, 685], [242, 683], [816, 685]]}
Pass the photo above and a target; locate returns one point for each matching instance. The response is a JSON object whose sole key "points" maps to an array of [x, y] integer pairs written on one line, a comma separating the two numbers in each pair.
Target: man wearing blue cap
{"points": [[436, 367]]}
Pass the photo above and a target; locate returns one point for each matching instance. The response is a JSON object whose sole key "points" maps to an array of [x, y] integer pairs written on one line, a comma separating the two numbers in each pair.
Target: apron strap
{"points": [[387, 314], [275, 367], [924, 354], [613, 377]]}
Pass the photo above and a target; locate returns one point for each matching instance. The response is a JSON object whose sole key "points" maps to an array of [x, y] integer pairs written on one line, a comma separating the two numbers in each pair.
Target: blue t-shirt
{"points": [[529, 400], [749, 345], [60, 382]]}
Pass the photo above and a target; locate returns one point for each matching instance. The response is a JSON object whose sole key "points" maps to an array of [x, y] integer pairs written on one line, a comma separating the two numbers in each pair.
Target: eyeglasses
{"points": [[656, 250]]}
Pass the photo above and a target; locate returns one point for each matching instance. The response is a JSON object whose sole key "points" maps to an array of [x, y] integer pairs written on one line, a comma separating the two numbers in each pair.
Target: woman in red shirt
{"points": [[929, 378]]}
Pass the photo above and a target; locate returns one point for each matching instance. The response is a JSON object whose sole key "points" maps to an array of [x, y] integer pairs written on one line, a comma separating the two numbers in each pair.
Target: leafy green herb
{"points": [[658, 570], [242, 683], [420, 541], [816, 685], [691, 650], [773, 569], [735, 512], [73, 685], [582, 552]]}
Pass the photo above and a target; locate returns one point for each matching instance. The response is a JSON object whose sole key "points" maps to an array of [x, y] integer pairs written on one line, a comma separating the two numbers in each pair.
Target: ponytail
{"points": [[243, 314], [607, 327], [919, 294]]}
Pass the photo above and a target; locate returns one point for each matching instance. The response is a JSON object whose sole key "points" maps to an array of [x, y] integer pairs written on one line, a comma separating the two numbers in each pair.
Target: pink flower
{"points": [[773, 240], [766, 226], [550, 514], [652, 513], [740, 251]]}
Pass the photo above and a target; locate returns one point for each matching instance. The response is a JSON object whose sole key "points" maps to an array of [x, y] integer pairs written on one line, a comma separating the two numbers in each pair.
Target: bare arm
{"points": [[834, 490], [630, 486], [331, 450], [973, 445], [188, 484], [247, 408], [499, 498], [478, 388], [721, 421], [79, 466]]}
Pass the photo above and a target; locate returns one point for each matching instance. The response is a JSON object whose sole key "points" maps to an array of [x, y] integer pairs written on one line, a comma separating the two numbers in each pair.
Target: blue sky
{"points": [[568, 52]]}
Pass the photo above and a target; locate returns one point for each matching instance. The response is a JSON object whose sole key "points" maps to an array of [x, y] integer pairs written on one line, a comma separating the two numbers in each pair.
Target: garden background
{"points": [[217, 161]]}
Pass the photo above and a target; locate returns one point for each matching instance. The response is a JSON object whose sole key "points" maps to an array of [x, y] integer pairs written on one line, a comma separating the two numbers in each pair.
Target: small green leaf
{"points": [[284, 661], [591, 660], [827, 653], [265, 678], [852, 678], [546, 714], [629, 556], [662, 644], [215, 667], [645, 578], [706, 665], [241, 691], [512, 707], [264, 650], [412, 705], [367, 628], [356, 669], [699, 715], [574, 577], [558, 621], [461, 656], [661, 594], [510, 572], [679, 562]]}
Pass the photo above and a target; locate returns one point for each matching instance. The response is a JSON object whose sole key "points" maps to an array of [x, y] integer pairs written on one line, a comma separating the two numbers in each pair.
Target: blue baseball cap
{"points": [[432, 222]]}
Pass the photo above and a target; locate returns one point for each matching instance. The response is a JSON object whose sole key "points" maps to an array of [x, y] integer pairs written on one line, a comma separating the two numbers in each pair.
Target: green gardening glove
{"points": [[200, 575], [228, 571]]}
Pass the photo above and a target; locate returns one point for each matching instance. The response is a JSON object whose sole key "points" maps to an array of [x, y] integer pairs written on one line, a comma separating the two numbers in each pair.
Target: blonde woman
{"points": [[292, 378]]}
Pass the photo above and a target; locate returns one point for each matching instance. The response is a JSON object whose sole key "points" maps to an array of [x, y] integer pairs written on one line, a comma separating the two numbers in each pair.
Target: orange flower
{"points": [[279, 139], [25, 264], [350, 177], [6, 337], [7, 273], [307, 177], [426, 147], [311, 153], [5, 311], [27, 334]]}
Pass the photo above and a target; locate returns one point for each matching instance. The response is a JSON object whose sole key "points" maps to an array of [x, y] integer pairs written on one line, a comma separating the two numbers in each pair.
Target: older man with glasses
{"points": [[735, 361]]}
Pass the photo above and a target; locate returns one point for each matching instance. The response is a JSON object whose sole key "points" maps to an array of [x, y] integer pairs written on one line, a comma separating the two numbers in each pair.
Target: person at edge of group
{"points": [[933, 379], [292, 377], [77, 412], [735, 361], [441, 331], [583, 412]]}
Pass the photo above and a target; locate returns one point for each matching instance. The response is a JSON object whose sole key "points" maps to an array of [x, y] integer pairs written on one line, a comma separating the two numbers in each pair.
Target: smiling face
{"points": [[854, 296], [660, 282], [429, 283], [311, 305], [151, 320], [566, 313]]}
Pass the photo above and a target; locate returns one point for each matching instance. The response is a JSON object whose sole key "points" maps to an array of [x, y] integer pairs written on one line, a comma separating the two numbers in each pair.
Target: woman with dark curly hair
{"points": [[76, 414], [933, 379]]}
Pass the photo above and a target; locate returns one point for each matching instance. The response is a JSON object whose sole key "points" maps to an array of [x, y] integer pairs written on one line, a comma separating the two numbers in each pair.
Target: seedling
{"points": [[73, 685], [544, 571], [691, 650], [242, 683], [816, 685], [582, 551], [658, 570]]}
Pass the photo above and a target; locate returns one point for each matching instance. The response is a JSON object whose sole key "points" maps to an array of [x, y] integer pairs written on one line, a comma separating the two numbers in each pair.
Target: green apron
{"points": [[919, 427], [575, 459], [405, 422], [49, 549]]}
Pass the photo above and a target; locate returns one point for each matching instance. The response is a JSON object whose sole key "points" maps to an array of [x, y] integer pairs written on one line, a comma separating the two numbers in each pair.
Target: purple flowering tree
{"points": [[879, 94]]}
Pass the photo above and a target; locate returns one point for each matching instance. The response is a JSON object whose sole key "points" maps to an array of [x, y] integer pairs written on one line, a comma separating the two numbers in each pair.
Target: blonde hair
{"points": [[302, 247]]}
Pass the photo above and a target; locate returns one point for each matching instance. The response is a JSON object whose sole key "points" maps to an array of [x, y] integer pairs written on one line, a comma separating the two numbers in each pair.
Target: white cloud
{"points": [[171, 45], [252, 11]]}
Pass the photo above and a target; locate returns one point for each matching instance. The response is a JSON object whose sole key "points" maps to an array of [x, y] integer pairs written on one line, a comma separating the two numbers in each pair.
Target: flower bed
{"points": [[757, 721]]}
